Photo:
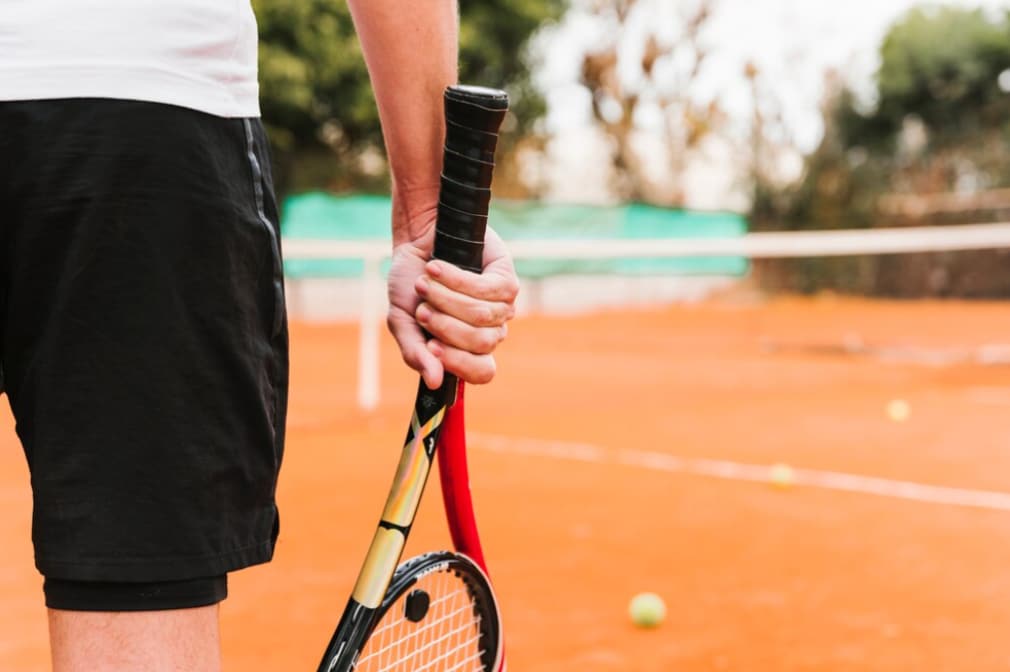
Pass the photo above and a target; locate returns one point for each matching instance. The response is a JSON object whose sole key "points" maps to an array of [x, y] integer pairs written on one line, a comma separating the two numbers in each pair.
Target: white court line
{"points": [[739, 471]]}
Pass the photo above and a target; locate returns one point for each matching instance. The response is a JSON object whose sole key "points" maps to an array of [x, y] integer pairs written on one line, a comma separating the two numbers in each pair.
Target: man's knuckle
{"points": [[485, 316], [512, 289], [488, 341]]}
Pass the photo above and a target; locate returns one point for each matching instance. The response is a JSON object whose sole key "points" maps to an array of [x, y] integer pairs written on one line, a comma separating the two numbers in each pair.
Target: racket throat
{"points": [[380, 564], [405, 493], [349, 638], [447, 392]]}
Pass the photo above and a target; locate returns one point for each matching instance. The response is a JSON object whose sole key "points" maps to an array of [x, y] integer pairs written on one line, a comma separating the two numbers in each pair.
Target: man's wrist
{"points": [[415, 208]]}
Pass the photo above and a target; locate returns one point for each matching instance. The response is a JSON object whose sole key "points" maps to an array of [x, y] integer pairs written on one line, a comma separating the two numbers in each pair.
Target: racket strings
{"points": [[446, 639]]}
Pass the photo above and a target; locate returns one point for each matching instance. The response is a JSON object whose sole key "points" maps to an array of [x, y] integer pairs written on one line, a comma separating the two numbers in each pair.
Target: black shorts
{"points": [[143, 337]]}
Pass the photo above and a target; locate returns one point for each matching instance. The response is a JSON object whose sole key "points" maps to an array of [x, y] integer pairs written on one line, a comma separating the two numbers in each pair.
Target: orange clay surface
{"points": [[755, 577]]}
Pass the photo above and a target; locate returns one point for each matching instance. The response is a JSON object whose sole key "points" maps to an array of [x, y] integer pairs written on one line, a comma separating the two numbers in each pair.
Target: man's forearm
{"points": [[411, 51]]}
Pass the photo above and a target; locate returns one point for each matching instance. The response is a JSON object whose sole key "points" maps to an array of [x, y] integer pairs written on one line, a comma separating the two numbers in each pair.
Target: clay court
{"points": [[628, 451]]}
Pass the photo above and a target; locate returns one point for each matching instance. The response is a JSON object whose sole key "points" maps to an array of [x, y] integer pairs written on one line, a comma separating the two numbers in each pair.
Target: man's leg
{"points": [[153, 641], [144, 352]]}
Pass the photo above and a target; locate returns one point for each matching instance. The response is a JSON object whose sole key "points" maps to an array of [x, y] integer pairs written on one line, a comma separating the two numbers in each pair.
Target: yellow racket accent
{"points": [[401, 507], [380, 563], [408, 484]]}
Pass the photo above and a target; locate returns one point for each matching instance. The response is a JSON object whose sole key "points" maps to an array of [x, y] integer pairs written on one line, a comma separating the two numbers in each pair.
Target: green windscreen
{"points": [[357, 218]]}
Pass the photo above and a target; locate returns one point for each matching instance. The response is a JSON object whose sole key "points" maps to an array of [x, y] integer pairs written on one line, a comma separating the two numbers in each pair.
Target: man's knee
{"points": [[126, 641]]}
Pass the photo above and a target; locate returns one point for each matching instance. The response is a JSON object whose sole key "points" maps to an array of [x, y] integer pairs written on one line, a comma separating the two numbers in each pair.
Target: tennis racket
{"points": [[436, 612]]}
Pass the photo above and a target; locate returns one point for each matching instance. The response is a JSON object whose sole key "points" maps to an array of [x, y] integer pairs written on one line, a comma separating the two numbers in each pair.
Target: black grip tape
{"points": [[462, 225], [470, 143], [466, 254], [476, 107], [473, 116], [467, 171], [463, 197]]}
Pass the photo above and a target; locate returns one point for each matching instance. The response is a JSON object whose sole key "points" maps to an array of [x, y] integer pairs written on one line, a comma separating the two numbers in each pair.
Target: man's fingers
{"points": [[471, 368], [462, 305], [464, 314], [414, 350], [452, 331], [496, 283]]}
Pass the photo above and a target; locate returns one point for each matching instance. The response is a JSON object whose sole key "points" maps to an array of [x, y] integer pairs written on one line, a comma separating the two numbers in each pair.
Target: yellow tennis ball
{"points": [[781, 475], [898, 410], [647, 610]]}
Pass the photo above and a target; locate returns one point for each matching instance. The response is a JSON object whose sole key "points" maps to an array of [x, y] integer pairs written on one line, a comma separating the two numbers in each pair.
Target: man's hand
{"points": [[411, 52], [466, 314]]}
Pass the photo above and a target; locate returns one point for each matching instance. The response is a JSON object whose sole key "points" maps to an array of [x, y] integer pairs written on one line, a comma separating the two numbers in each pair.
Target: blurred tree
{"points": [[660, 76], [940, 123], [943, 65], [942, 109], [316, 98]]}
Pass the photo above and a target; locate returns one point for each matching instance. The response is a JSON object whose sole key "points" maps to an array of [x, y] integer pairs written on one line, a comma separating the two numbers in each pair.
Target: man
{"points": [[144, 340]]}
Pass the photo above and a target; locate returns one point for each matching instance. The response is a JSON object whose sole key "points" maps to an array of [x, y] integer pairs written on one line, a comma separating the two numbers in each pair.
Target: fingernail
{"points": [[423, 313], [434, 268], [422, 286], [435, 349]]}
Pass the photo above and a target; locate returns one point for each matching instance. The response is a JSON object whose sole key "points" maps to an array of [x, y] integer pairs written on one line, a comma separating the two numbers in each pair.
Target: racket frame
{"points": [[432, 408]]}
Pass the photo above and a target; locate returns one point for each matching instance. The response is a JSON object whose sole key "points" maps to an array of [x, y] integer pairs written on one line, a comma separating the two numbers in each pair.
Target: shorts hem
{"points": [[135, 596], [166, 569]]}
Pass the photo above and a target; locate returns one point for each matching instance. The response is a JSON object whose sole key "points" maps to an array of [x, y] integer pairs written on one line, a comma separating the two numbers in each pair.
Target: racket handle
{"points": [[473, 115]]}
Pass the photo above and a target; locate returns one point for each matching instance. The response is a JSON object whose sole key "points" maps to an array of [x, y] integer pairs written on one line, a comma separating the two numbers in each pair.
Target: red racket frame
{"points": [[454, 476]]}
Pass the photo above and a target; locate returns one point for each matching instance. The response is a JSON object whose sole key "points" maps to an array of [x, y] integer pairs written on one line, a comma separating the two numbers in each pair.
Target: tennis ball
{"points": [[647, 610], [781, 475], [898, 410]]}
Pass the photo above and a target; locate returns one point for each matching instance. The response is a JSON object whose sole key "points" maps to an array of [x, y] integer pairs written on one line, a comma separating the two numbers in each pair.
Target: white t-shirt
{"points": [[199, 54]]}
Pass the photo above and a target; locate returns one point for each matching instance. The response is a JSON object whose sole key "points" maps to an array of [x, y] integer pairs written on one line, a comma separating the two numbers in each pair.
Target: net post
{"points": [[368, 334]]}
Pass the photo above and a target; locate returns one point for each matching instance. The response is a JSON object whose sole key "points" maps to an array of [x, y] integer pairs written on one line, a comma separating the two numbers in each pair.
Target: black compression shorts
{"points": [[143, 339]]}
